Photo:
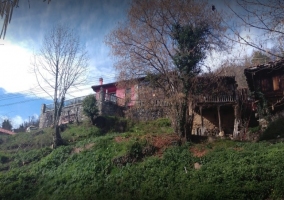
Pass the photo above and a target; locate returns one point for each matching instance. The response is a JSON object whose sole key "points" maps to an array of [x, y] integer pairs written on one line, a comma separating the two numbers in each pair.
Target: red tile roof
{"points": [[6, 131]]}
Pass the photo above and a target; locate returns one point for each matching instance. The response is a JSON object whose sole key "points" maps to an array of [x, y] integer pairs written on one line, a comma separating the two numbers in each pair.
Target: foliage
{"points": [[254, 129], [274, 130], [229, 169], [112, 124], [6, 124], [192, 46], [23, 127], [90, 108], [165, 41], [259, 58]]}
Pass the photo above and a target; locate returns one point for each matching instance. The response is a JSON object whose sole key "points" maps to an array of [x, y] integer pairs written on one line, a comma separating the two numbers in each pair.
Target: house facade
{"points": [[71, 112], [266, 82], [122, 96], [216, 106]]}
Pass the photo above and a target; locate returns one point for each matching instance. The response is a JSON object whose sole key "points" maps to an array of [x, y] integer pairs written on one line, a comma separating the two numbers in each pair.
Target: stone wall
{"points": [[209, 115], [111, 109], [74, 112], [71, 113], [142, 114]]}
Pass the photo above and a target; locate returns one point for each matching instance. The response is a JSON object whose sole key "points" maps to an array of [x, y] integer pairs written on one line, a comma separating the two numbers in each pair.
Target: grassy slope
{"points": [[84, 168]]}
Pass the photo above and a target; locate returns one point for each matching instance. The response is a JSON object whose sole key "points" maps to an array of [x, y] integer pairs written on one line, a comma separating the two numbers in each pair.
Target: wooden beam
{"points": [[219, 119], [202, 123], [236, 121]]}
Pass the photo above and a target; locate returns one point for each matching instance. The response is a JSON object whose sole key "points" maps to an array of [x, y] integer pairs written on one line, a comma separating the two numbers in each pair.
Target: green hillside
{"points": [[147, 161]]}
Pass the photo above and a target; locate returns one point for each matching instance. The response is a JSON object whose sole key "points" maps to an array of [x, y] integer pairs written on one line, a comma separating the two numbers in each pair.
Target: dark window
{"points": [[266, 84], [276, 82], [127, 90], [128, 93]]}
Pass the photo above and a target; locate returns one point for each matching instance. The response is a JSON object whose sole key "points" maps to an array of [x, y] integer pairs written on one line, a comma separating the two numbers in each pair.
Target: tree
{"points": [[191, 50], [6, 124], [262, 20], [60, 64], [259, 58], [166, 41], [90, 108], [6, 11]]}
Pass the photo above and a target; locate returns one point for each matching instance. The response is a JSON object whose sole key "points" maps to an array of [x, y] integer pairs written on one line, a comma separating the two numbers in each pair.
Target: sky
{"points": [[20, 95]]}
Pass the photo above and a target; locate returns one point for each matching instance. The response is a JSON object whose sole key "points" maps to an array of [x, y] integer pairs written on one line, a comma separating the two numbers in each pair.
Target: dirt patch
{"points": [[88, 146], [238, 148], [120, 139], [161, 142], [198, 152], [80, 149], [77, 150]]}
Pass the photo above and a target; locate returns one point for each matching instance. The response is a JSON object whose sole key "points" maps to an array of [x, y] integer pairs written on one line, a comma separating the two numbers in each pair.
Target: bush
{"points": [[274, 130], [90, 108], [3, 159], [112, 124]]}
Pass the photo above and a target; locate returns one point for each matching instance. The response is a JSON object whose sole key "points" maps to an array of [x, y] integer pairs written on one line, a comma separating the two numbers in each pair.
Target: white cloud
{"points": [[17, 76], [15, 71], [17, 121]]}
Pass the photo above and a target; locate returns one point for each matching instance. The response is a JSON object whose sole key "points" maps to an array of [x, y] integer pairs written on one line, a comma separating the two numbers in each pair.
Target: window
{"points": [[276, 81], [266, 85], [128, 93], [127, 90]]}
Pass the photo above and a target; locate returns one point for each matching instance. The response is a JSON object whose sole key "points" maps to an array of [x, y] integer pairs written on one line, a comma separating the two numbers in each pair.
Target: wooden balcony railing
{"points": [[112, 98], [216, 99]]}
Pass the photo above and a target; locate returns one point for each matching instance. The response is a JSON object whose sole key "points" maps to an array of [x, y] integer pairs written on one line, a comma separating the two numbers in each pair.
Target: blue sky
{"points": [[20, 97]]}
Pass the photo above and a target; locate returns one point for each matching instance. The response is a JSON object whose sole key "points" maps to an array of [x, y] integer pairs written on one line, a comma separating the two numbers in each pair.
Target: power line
{"points": [[38, 98], [39, 91]]}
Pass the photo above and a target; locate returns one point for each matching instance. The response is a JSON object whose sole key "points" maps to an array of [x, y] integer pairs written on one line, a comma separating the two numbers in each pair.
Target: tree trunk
{"points": [[57, 140], [184, 120], [92, 120]]}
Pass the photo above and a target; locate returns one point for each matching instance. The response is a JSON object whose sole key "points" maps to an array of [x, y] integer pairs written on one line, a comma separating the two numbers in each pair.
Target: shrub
{"points": [[112, 124], [274, 130], [90, 108], [3, 159]]}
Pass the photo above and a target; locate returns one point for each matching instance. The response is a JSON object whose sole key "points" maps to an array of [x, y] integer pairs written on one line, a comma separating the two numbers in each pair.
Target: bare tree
{"points": [[148, 44], [61, 63], [6, 12], [262, 21]]}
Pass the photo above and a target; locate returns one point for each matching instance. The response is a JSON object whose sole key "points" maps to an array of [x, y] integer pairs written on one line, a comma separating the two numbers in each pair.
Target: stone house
{"points": [[71, 112], [266, 82], [216, 106], [214, 112]]}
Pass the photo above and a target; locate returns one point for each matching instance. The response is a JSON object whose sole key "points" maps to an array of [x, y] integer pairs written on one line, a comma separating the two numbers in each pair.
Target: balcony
{"points": [[216, 99]]}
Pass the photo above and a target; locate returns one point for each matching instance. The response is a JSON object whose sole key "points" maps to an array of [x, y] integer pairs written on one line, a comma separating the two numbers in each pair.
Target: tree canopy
{"points": [[90, 108], [167, 41], [59, 65], [6, 124]]}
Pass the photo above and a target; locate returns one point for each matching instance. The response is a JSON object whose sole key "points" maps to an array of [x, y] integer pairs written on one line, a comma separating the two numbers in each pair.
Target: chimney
{"points": [[101, 80]]}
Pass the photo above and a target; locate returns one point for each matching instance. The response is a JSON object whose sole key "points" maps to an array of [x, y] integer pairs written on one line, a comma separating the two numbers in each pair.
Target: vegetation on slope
{"points": [[91, 166]]}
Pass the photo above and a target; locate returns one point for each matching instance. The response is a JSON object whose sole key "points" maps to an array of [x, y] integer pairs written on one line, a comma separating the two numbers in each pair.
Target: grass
{"points": [[85, 169]]}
